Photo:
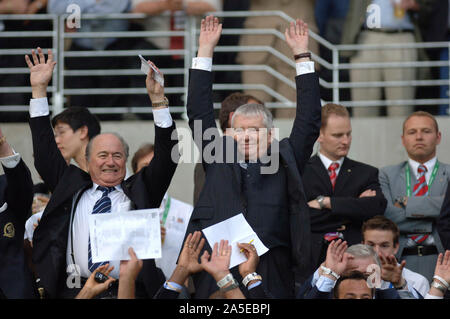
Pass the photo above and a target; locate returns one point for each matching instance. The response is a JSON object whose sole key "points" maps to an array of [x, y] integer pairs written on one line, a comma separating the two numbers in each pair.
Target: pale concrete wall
{"points": [[375, 141]]}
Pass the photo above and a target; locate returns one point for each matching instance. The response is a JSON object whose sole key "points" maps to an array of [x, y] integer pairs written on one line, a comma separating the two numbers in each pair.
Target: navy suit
{"points": [[16, 197]]}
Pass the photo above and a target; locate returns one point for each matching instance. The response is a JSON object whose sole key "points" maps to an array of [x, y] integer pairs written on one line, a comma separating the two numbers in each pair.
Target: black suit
{"points": [[16, 196], [145, 189], [443, 223], [273, 204], [347, 208]]}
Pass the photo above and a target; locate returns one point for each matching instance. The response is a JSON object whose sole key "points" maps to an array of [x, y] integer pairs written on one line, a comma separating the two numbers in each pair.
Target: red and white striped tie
{"points": [[420, 189], [332, 172]]}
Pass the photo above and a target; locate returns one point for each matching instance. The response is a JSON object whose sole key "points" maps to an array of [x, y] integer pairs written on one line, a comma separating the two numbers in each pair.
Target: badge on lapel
{"points": [[9, 231]]}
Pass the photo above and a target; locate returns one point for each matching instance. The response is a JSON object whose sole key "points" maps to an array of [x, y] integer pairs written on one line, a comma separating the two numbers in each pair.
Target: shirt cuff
{"points": [[162, 118], [10, 161], [304, 67], [325, 284], [428, 296], [174, 285], [256, 284], [315, 278], [39, 107], [202, 63]]}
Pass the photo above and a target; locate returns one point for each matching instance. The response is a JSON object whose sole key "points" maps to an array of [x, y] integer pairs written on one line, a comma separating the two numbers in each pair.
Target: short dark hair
{"points": [[380, 222], [354, 275], [77, 117], [330, 109], [230, 104], [144, 150]]}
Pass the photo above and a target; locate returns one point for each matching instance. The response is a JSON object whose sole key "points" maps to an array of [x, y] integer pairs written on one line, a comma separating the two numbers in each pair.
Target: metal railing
{"points": [[190, 34]]}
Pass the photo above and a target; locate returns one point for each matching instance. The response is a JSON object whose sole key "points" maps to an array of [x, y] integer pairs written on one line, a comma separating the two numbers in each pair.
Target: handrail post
{"points": [[335, 75], [58, 96]]}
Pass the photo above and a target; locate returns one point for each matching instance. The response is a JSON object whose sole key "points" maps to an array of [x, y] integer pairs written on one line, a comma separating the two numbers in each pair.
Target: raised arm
{"points": [[48, 160], [305, 130]]}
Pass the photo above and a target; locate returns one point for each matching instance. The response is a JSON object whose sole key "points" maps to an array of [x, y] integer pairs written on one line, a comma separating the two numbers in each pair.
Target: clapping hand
{"points": [[189, 255], [210, 31], [391, 271], [217, 265], [337, 259]]}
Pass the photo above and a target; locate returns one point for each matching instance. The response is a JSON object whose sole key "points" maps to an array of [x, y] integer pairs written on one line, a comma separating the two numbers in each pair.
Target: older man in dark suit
{"points": [[342, 193], [62, 237], [16, 196], [273, 202]]}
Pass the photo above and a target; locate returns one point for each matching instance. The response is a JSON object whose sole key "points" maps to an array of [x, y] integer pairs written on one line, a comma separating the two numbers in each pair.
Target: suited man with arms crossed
{"points": [[342, 193], [16, 196], [273, 204], [62, 237], [415, 192]]}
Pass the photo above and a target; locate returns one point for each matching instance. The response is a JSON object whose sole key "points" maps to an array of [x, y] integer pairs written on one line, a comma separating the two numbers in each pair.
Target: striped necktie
{"points": [[332, 172], [102, 206], [420, 189]]}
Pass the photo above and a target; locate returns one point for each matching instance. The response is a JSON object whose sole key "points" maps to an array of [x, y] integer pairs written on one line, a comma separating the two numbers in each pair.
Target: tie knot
{"points": [[422, 169], [333, 167], [105, 190]]}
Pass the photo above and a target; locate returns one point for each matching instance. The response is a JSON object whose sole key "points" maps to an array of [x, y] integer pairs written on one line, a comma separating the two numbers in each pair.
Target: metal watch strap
{"points": [[328, 271], [164, 102], [225, 280], [320, 200], [250, 277], [439, 286], [234, 284]]}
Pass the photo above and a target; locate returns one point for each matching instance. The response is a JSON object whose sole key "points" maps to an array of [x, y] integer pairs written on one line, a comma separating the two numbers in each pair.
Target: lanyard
{"points": [[166, 211], [408, 178]]}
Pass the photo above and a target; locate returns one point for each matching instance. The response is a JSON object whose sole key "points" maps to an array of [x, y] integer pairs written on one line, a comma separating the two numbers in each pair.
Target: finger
{"points": [[195, 240], [132, 253], [298, 27], [221, 247], [292, 29], [216, 250], [203, 25], [28, 61], [41, 56], [188, 239], [35, 59], [107, 272], [446, 257], [204, 258], [200, 246], [402, 265], [50, 56], [382, 259]]}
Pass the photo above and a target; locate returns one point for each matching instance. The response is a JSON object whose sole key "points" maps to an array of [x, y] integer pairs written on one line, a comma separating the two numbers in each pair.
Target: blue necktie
{"points": [[102, 206]]}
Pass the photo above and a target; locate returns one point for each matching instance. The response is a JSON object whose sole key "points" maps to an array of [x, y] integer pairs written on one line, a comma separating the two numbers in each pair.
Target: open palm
{"points": [[210, 31], [297, 36], [40, 70]]}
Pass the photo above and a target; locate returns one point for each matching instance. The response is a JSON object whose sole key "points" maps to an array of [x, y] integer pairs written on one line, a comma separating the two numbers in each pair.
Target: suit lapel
{"points": [[322, 173], [345, 174]]}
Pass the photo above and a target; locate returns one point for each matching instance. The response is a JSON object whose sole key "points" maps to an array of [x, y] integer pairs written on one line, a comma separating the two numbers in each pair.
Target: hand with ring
{"points": [[218, 264]]}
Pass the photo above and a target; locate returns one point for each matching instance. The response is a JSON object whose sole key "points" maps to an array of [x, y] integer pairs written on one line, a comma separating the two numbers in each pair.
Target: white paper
{"points": [[112, 234], [145, 68], [236, 230]]}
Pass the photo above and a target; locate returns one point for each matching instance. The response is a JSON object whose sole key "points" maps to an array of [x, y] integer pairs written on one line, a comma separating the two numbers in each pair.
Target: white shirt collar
{"points": [[429, 165], [327, 162], [93, 189]]}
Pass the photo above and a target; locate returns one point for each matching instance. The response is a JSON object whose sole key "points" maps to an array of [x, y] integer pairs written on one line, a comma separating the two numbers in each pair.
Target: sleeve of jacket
{"points": [[306, 128], [361, 209], [48, 161], [443, 223], [259, 293], [19, 192]]}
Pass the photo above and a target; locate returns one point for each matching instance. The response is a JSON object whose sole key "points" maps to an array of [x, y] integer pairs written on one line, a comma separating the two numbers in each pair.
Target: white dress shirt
{"points": [[429, 165], [327, 162]]}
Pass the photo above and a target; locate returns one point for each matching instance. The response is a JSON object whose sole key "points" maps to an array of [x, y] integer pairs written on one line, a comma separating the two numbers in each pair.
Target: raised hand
{"points": [[391, 271], [218, 265], [189, 255], [40, 72], [210, 31], [337, 258], [154, 89], [443, 266], [297, 37]]}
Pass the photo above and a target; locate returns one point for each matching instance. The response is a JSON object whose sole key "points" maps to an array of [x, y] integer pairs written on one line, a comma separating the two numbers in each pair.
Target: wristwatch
{"points": [[164, 102], [225, 280], [320, 200], [439, 286], [402, 286], [234, 284], [250, 277], [328, 271]]}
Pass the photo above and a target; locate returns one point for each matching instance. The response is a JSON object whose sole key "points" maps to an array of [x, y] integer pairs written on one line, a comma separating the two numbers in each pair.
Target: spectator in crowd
{"points": [[168, 15], [341, 193], [174, 216], [305, 10], [353, 286], [61, 238], [92, 44], [341, 260], [382, 235], [227, 109], [232, 186], [16, 60], [443, 222], [415, 192], [397, 24], [441, 279], [16, 195]]}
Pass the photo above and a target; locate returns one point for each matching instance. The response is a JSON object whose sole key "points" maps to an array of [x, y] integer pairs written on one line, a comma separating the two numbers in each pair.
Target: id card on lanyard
{"points": [[408, 178]]}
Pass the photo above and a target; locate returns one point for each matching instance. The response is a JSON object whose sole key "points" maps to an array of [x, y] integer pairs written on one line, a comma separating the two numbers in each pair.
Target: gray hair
{"points": [[253, 109], [363, 251], [125, 146]]}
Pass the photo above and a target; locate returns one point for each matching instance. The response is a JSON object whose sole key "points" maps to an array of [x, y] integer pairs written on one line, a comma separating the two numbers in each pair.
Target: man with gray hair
{"points": [[383, 274], [61, 242], [262, 177]]}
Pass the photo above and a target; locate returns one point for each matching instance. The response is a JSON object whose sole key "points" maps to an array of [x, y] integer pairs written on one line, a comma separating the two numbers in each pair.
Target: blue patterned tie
{"points": [[102, 206]]}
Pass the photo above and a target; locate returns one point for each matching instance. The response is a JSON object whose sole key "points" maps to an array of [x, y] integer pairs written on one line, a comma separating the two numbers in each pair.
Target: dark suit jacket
{"points": [[16, 196], [347, 208], [145, 189], [443, 222], [222, 194]]}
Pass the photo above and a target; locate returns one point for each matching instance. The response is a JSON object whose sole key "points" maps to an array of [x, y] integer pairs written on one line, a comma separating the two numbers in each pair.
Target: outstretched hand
{"points": [[337, 259], [297, 37], [40, 71], [391, 271], [189, 255], [154, 89], [210, 31], [218, 265]]}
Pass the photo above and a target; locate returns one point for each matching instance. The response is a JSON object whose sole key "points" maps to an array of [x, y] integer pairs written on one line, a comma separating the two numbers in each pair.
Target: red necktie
{"points": [[332, 172], [420, 189]]}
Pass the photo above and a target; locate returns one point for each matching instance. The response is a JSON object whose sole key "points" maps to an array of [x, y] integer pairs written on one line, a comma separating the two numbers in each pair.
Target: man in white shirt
{"points": [[61, 248], [415, 192]]}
